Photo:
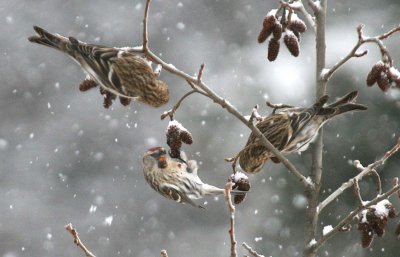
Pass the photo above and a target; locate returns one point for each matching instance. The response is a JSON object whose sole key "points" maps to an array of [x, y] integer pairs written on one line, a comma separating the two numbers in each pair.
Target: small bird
{"points": [[176, 178], [119, 71], [292, 130]]}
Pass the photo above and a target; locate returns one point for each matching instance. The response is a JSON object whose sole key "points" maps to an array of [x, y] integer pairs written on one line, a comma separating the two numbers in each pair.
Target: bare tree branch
{"points": [[228, 188], [251, 251], [312, 194], [351, 215], [298, 5], [222, 102], [353, 53], [77, 241], [365, 171]]}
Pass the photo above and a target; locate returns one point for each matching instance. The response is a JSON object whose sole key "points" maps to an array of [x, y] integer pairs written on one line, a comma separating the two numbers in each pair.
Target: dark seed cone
{"points": [[375, 72], [392, 211], [273, 49], [124, 101], [173, 141], [87, 84], [297, 34], [268, 25], [264, 34], [383, 82], [379, 226], [186, 137], [108, 97], [292, 43], [243, 184], [367, 235], [298, 25], [277, 31]]}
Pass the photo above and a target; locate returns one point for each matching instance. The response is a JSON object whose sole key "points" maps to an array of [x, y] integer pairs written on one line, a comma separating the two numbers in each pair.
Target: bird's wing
{"points": [[171, 192], [98, 61]]}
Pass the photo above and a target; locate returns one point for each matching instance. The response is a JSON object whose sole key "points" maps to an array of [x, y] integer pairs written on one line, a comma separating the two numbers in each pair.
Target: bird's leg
{"points": [[237, 156]]}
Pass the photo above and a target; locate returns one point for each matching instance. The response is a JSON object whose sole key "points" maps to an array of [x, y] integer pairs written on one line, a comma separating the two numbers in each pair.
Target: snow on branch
{"points": [[365, 171], [228, 188], [197, 84], [362, 39]]}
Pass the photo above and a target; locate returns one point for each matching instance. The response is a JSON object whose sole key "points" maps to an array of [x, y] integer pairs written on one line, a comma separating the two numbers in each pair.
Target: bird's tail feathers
{"points": [[342, 105], [43, 37]]}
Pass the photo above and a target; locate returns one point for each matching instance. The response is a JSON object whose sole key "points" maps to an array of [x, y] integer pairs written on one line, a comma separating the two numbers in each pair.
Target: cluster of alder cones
{"points": [[385, 75], [108, 96], [176, 135], [289, 25], [374, 220]]}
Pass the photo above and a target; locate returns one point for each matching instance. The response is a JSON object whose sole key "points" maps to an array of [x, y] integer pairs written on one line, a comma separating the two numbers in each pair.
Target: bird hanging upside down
{"points": [[176, 178], [292, 130], [119, 71]]}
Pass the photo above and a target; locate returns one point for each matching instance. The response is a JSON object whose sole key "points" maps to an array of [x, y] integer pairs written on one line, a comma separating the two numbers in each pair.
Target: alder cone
{"points": [[298, 25], [292, 43], [173, 141], [124, 100], [268, 26], [87, 84], [264, 34], [273, 49], [186, 137], [277, 31], [375, 73], [367, 234], [383, 82], [243, 184]]}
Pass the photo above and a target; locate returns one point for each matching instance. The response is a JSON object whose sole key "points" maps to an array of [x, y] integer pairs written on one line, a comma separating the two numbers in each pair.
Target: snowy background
{"points": [[64, 158]]}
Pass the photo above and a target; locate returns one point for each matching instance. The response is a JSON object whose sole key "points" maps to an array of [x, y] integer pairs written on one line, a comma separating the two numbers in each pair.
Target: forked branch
{"points": [[362, 40], [199, 84]]}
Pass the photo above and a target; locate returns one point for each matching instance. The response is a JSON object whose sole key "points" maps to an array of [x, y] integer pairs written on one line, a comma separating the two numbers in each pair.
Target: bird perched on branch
{"points": [[119, 71], [292, 130], [176, 178]]}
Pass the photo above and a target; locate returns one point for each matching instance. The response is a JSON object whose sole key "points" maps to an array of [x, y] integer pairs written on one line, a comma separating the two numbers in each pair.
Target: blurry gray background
{"points": [[64, 158]]}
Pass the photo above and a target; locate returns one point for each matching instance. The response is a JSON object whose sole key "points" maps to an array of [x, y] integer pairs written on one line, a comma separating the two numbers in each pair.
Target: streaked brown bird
{"points": [[119, 71], [292, 130], [176, 178]]}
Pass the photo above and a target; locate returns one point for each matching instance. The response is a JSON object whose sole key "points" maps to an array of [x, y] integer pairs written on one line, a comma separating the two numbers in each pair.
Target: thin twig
{"points": [[251, 251], [255, 115], [145, 33], [362, 40], [200, 72], [359, 177], [357, 192], [171, 112], [228, 188], [164, 253], [77, 241], [224, 104], [378, 182], [351, 215]]}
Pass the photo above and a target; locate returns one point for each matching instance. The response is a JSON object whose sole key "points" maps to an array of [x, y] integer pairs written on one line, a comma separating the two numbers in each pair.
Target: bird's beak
{"points": [[162, 161]]}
